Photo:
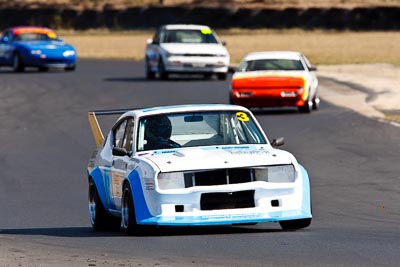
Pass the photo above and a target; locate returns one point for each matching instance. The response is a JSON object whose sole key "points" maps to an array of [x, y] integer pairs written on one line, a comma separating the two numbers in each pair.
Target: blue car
{"points": [[40, 47]]}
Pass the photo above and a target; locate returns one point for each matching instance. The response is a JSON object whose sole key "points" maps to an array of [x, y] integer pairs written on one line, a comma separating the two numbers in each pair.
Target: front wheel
{"points": [[150, 75], [161, 70], [222, 76], [295, 224], [128, 216], [18, 65], [70, 68]]}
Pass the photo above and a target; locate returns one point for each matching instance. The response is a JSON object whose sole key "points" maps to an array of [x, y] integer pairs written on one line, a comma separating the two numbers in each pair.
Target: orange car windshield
{"points": [[271, 64]]}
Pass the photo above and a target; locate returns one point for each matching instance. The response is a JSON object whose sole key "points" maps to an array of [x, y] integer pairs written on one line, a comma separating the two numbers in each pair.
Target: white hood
{"points": [[176, 48], [217, 157]]}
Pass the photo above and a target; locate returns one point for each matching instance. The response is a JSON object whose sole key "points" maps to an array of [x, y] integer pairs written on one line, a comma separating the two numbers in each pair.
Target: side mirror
{"points": [[278, 142], [4, 39], [120, 151], [223, 43], [312, 68]]}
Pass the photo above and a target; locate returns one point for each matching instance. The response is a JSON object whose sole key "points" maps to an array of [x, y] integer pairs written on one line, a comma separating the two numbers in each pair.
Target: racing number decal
{"points": [[241, 116], [206, 31]]}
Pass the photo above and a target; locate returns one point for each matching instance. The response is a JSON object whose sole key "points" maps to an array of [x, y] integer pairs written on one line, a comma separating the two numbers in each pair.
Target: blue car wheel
{"points": [[17, 64]]}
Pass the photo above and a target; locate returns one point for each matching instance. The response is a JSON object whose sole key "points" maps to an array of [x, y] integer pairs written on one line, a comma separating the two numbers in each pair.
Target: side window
{"points": [[306, 61], [128, 138], [119, 134], [156, 38]]}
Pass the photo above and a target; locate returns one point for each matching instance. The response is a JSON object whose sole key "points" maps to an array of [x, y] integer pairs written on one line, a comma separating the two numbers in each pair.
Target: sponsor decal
{"points": [[149, 183], [250, 152]]}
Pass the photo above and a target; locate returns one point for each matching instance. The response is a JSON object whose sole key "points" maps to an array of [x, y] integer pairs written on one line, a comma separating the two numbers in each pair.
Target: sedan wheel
{"points": [[17, 66], [150, 75], [315, 102], [222, 76], [99, 218], [161, 70], [128, 217], [295, 224]]}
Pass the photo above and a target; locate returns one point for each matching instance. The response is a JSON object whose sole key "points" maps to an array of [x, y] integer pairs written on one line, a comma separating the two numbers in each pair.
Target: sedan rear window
{"points": [[271, 64]]}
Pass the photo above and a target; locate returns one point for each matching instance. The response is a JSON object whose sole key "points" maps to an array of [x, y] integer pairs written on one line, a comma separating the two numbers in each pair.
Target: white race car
{"points": [[184, 48], [193, 165]]}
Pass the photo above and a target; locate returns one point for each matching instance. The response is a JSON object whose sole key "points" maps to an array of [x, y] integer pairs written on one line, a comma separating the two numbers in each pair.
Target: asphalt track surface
{"points": [[46, 141]]}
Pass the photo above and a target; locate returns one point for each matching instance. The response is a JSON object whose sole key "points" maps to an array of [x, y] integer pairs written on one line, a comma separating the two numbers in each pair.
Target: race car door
{"points": [[123, 143]]}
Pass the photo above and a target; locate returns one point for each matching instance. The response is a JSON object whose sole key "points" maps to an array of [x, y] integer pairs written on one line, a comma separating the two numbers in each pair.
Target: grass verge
{"points": [[321, 47]]}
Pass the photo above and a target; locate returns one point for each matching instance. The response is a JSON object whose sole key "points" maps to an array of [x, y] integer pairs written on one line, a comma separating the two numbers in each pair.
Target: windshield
{"points": [[30, 36], [198, 129], [271, 64], [203, 36]]}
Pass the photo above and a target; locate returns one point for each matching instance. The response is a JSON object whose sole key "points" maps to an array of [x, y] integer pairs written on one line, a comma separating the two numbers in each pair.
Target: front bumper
{"points": [[50, 60], [268, 98], [181, 64], [271, 202]]}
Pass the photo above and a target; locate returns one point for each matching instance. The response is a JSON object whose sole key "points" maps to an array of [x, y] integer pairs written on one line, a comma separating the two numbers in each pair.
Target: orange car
{"points": [[275, 79]]}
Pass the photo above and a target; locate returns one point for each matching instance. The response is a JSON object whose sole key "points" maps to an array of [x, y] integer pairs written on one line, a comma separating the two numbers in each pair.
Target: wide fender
{"points": [[306, 201], [141, 210], [98, 181]]}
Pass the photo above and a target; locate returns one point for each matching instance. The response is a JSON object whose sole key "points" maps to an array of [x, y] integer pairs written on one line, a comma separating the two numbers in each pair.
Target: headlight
{"points": [[171, 180], [69, 53], [36, 52], [276, 174]]}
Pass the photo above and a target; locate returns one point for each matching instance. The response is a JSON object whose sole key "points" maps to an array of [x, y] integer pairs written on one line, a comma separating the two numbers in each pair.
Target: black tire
{"points": [[70, 68], [150, 75], [162, 73], [315, 102], [128, 216], [43, 69], [295, 224], [99, 218], [17, 64], [306, 108], [222, 76], [207, 76]]}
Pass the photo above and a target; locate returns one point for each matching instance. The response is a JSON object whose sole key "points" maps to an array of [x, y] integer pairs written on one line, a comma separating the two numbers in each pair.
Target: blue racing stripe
{"points": [[141, 210]]}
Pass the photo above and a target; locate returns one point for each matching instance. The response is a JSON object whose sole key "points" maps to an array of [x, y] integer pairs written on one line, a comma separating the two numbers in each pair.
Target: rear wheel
{"points": [[295, 224], [306, 108], [18, 65], [99, 218], [315, 102]]}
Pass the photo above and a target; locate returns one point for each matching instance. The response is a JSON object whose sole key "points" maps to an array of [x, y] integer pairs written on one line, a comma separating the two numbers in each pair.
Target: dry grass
{"points": [[321, 47], [237, 3]]}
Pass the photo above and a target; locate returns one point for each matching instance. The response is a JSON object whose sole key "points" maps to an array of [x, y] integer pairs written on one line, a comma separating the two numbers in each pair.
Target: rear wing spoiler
{"points": [[94, 123]]}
